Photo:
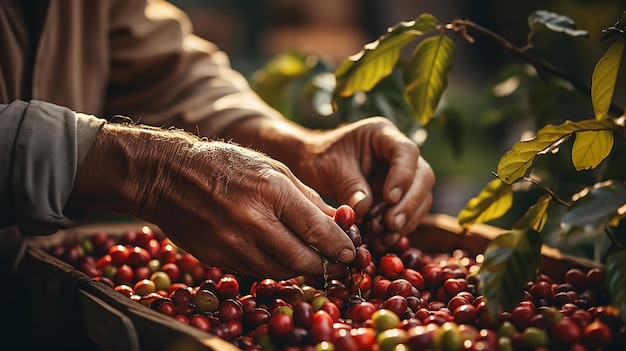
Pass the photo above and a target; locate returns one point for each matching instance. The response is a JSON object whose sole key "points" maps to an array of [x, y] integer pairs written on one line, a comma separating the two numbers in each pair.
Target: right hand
{"points": [[229, 206]]}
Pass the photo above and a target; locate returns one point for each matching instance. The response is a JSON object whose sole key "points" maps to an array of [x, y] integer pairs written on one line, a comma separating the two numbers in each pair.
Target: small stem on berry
{"points": [[358, 287], [325, 273]]}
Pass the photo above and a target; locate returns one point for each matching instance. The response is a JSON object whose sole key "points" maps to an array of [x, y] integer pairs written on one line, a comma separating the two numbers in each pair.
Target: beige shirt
{"points": [[134, 58]]}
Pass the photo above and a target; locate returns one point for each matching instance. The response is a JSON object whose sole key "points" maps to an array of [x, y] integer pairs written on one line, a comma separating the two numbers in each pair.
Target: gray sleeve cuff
{"points": [[49, 144]]}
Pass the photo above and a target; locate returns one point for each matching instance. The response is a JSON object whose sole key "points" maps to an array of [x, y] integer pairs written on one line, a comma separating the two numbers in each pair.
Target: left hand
{"points": [[365, 163]]}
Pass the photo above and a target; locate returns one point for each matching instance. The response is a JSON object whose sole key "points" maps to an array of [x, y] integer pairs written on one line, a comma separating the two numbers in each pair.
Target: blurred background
{"points": [[485, 125]]}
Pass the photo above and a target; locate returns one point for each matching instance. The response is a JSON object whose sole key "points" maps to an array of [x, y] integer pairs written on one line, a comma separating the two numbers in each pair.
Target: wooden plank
{"points": [[105, 326]]}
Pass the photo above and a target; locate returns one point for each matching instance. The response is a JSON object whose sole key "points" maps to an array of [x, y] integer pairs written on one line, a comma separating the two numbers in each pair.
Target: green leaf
{"points": [[515, 162], [603, 79], [595, 208], [280, 80], [536, 216], [590, 148], [556, 23], [384, 99], [377, 60], [616, 281], [511, 260], [491, 203], [426, 75]]}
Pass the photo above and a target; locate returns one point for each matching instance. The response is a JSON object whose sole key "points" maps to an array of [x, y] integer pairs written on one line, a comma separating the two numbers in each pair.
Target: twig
{"points": [[547, 190], [553, 196], [613, 238], [460, 25]]}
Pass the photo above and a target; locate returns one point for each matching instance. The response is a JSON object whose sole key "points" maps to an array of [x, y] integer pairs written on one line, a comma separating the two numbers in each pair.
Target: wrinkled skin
{"points": [[246, 212], [361, 164], [373, 157], [229, 206]]}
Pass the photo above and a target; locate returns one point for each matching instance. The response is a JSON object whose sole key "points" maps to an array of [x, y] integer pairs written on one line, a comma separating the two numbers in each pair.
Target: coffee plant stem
{"points": [[613, 239], [542, 66], [547, 190]]}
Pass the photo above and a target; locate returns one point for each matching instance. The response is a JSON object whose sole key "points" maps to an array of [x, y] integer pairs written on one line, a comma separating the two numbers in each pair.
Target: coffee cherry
{"points": [[576, 278], [165, 307], [355, 236], [344, 216], [124, 290], [534, 337], [396, 304], [566, 332], [595, 278], [363, 258], [138, 257], [200, 322], [408, 298], [230, 310], [384, 319], [415, 278], [228, 287], [391, 266], [161, 280], [119, 254], [144, 287], [389, 339], [399, 287], [597, 335], [321, 328], [205, 301]]}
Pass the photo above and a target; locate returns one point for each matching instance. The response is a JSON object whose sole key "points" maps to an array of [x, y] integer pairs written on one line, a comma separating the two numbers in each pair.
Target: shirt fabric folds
{"points": [[134, 58]]}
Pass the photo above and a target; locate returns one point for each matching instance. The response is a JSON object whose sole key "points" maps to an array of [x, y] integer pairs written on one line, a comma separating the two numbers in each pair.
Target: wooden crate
{"points": [[66, 305], [442, 233], [71, 311]]}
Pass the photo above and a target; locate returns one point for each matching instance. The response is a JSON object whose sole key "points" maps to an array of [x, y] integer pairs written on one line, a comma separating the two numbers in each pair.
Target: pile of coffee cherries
{"points": [[390, 299]]}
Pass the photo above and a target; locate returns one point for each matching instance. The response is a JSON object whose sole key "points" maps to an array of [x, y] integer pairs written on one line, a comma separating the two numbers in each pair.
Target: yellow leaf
{"points": [[590, 148], [491, 203], [603, 79]]}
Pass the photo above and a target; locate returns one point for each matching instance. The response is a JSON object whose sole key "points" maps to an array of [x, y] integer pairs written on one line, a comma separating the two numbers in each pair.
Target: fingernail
{"points": [[395, 194], [356, 198], [398, 221], [345, 256]]}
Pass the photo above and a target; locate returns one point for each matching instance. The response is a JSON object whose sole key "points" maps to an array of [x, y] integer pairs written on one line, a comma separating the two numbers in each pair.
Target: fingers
{"points": [[283, 254], [404, 217], [301, 213], [305, 230], [402, 156], [317, 229]]}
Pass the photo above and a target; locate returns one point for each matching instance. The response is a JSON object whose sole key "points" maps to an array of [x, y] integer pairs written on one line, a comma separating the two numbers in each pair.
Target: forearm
{"points": [[125, 161], [281, 139]]}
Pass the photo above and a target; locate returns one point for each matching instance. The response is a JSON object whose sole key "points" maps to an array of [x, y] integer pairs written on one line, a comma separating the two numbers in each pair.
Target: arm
{"points": [[229, 206], [225, 204], [188, 82]]}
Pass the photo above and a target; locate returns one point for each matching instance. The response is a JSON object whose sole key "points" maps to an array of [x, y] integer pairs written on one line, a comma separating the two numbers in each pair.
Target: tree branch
{"points": [[542, 66]]}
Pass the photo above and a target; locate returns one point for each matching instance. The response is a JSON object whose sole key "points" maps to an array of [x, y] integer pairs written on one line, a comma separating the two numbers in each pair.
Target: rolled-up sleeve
{"points": [[41, 148]]}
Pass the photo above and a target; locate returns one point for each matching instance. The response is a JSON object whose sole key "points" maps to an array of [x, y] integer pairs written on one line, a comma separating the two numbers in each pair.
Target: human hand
{"points": [[228, 206], [367, 163]]}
